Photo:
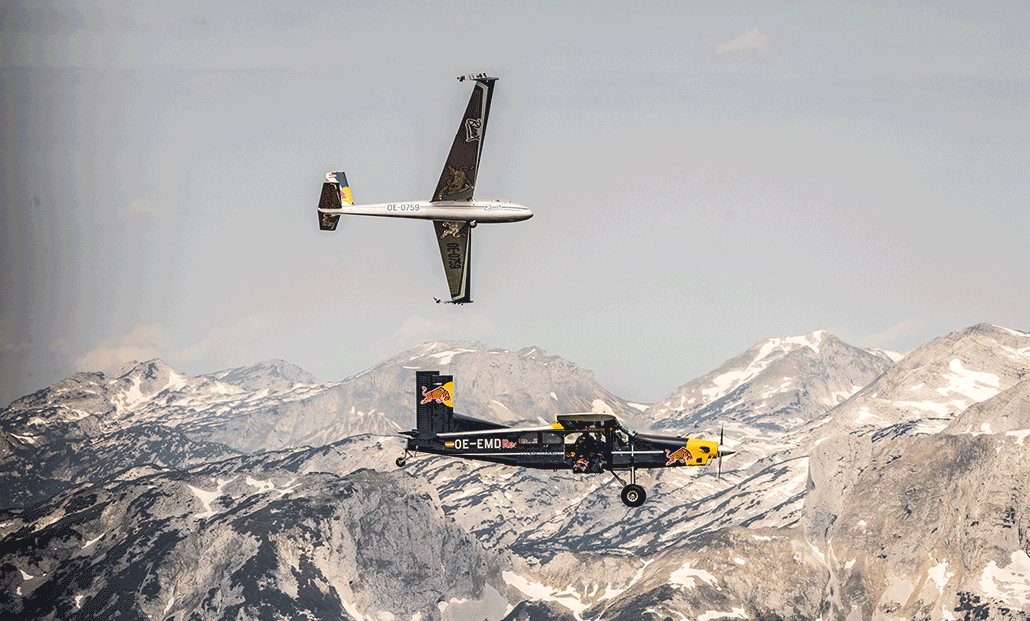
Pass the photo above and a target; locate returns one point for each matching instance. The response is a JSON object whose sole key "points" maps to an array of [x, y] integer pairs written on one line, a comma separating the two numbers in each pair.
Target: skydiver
{"points": [[596, 453]]}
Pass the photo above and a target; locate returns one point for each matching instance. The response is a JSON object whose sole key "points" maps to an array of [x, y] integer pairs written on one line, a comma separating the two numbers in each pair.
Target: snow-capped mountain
{"points": [[923, 393], [270, 405], [939, 379], [61, 456], [827, 512], [265, 406], [275, 376], [776, 385], [243, 539]]}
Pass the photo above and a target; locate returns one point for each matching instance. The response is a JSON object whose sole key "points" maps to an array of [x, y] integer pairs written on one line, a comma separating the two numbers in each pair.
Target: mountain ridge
{"points": [[906, 516]]}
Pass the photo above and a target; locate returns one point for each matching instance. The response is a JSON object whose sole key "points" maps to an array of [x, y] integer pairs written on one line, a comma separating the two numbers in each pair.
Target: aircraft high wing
{"points": [[584, 443], [452, 208]]}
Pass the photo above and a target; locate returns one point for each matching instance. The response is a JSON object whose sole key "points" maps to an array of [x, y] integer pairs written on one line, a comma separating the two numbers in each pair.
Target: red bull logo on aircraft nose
{"points": [[679, 455], [441, 394]]}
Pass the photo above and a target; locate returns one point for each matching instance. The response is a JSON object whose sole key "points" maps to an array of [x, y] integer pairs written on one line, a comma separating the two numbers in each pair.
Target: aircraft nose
{"points": [[722, 453], [528, 214]]}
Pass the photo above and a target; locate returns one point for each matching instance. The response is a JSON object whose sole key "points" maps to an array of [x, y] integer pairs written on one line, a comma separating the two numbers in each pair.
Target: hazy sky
{"points": [[703, 175]]}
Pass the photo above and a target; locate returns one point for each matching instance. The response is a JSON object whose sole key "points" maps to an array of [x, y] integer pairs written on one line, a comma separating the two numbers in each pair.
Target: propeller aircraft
{"points": [[584, 443], [452, 208]]}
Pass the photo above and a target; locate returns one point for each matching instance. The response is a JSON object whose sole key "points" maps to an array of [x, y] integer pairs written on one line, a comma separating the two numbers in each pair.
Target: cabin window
{"points": [[529, 438], [551, 438]]}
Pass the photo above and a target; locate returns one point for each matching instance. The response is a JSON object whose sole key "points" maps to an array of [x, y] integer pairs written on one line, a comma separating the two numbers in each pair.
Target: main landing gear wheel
{"points": [[633, 495], [400, 462]]}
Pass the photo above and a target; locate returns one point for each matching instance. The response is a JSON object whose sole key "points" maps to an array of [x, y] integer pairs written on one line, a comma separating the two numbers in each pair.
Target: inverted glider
{"points": [[452, 209], [583, 443]]}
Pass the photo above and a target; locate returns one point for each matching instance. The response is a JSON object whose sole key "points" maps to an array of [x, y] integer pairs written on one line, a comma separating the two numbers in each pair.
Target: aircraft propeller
{"points": [[721, 453]]}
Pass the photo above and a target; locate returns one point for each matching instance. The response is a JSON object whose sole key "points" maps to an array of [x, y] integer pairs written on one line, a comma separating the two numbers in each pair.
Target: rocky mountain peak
{"points": [[275, 375], [533, 352], [784, 344], [494, 383], [782, 382], [1007, 412], [153, 369], [144, 519], [939, 379], [134, 384]]}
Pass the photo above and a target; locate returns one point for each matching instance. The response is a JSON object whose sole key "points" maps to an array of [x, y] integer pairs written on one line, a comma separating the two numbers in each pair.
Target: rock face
{"points": [[238, 540], [922, 393], [904, 498], [938, 380], [934, 524], [90, 425], [274, 375], [268, 406], [62, 456], [494, 384], [776, 385]]}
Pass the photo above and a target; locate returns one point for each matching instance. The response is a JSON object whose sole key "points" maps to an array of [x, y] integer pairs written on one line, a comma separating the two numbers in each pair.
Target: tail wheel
{"points": [[400, 462], [633, 495]]}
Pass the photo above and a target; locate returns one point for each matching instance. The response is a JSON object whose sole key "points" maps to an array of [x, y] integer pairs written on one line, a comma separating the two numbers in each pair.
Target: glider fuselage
{"points": [[491, 211]]}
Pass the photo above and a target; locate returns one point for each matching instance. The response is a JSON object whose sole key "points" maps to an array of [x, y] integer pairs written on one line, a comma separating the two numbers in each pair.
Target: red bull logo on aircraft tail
{"points": [[441, 394]]}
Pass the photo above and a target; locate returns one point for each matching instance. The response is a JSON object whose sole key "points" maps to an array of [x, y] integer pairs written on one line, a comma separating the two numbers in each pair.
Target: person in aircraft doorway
{"points": [[589, 452]]}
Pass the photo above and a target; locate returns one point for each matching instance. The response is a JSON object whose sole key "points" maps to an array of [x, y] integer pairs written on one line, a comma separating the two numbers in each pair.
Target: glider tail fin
{"points": [[335, 194], [434, 403]]}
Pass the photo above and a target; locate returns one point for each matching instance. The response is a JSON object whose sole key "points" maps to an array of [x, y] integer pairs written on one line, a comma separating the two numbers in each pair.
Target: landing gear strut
{"points": [[403, 459], [632, 494]]}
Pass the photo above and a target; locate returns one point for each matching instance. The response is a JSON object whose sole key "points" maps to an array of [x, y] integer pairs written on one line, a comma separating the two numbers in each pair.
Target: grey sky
{"points": [[702, 177]]}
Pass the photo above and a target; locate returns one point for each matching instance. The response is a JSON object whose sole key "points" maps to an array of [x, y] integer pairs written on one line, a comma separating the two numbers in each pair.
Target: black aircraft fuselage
{"points": [[583, 443]]}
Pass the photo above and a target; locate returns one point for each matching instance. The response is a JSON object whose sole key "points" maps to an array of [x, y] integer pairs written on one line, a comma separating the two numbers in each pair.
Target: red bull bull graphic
{"points": [[441, 394], [679, 455]]}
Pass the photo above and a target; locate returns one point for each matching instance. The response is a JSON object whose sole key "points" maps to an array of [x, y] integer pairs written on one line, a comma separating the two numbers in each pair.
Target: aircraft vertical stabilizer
{"points": [[335, 192], [434, 403]]}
